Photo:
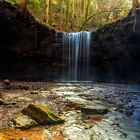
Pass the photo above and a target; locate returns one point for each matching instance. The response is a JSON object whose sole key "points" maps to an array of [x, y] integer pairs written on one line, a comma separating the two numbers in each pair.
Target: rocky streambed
{"points": [[90, 111]]}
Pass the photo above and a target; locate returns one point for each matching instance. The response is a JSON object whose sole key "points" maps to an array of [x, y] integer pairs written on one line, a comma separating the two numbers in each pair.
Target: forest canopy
{"points": [[77, 15]]}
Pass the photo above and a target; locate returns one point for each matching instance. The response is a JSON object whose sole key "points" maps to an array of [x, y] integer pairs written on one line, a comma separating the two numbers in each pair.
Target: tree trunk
{"points": [[136, 14], [67, 14], [47, 11], [135, 4]]}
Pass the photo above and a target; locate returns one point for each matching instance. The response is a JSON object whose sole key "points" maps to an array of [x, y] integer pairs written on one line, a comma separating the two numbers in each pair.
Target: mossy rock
{"points": [[42, 114], [24, 122]]}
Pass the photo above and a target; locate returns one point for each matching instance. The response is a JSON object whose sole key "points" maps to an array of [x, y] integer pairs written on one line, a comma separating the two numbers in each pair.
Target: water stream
{"points": [[76, 55]]}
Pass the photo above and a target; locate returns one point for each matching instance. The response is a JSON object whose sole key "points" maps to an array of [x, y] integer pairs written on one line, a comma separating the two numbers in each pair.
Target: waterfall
{"points": [[76, 55]]}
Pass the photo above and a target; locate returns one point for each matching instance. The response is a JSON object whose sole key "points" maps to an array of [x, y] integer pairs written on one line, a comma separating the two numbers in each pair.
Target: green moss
{"points": [[49, 112], [42, 114], [10, 1], [35, 5]]}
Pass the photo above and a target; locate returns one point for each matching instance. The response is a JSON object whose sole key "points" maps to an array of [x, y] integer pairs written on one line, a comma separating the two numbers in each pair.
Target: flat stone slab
{"points": [[24, 122], [97, 110], [42, 114]]}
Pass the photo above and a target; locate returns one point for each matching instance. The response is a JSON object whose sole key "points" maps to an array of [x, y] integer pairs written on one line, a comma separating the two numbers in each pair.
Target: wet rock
{"points": [[120, 109], [74, 127], [94, 111], [24, 122], [129, 112], [124, 135], [42, 114], [33, 92], [21, 87], [8, 85], [2, 102], [6, 82], [24, 99]]}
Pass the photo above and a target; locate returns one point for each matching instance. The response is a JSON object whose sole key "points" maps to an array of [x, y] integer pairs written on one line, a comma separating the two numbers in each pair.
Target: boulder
{"points": [[24, 122], [3, 102], [41, 114]]}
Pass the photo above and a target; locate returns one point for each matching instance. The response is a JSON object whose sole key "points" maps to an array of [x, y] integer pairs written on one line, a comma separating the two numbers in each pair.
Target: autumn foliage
{"points": [[75, 15]]}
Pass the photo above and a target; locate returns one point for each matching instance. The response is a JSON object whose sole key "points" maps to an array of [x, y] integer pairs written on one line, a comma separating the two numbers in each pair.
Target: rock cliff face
{"points": [[27, 48], [116, 51], [30, 51]]}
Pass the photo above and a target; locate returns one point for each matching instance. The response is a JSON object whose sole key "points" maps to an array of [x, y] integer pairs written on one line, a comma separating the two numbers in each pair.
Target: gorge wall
{"points": [[27, 48], [30, 50], [116, 51]]}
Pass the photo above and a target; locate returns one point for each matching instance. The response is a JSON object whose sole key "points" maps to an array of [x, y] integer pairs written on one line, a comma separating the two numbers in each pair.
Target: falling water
{"points": [[76, 47]]}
